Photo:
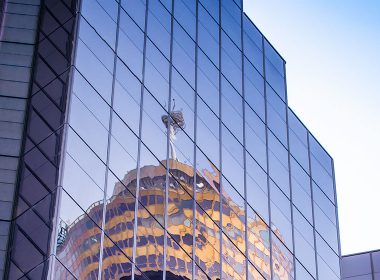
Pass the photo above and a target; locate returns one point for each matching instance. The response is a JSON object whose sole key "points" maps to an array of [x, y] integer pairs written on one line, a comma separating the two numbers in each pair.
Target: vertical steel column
{"points": [[267, 156], [220, 143], [139, 146], [244, 149], [337, 221], [109, 145], [195, 146], [289, 171], [312, 207]]}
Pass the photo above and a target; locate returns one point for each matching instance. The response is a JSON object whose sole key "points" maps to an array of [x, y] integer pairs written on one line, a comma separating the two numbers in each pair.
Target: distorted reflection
{"points": [[192, 225]]}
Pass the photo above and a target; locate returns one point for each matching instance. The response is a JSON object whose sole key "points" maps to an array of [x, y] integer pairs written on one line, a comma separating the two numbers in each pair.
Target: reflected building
{"points": [[152, 139], [120, 216]]}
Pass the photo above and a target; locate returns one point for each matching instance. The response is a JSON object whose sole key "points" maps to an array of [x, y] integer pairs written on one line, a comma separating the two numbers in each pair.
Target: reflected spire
{"points": [[175, 122]]}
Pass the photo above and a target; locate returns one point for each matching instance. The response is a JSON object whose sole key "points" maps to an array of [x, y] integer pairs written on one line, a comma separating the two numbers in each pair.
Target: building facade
{"points": [[148, 139], [361, 266]]}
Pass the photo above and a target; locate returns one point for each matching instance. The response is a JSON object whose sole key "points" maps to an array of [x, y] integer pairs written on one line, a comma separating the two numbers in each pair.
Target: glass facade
{"points": [[159, 145], [361, 266]]}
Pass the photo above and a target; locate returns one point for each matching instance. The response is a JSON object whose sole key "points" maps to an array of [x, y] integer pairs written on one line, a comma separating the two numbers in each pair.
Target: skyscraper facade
{"points": [[153, 140], [361, 266]]}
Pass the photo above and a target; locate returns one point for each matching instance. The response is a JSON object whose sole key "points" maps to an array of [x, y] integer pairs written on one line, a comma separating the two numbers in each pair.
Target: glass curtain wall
{"points": [[181, 158]]}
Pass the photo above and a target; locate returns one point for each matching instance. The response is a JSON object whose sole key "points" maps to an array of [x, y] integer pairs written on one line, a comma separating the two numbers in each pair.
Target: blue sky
{"points": [[332, 50]]}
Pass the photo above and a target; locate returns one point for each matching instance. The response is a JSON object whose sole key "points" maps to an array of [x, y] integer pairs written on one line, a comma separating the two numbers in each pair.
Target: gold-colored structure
{"points": [[218, 254], [80, 243]]}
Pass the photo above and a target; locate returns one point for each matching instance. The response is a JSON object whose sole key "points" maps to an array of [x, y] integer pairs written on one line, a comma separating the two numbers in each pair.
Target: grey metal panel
{"points": [[16, 55], [6, 191], [11, 130], [15, 59], [12, 103], [9, 163], [2, 261], [5, 210], [7, 176], [3, 241], [11, 115], [29, 2], [15, 73], [21, 21], [13, 88], [19, 35], [23, 9], [10, 147], [4, 227]]}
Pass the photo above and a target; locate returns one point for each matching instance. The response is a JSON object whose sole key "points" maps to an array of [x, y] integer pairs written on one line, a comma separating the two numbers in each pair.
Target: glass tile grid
{"points": [[161, 105]]}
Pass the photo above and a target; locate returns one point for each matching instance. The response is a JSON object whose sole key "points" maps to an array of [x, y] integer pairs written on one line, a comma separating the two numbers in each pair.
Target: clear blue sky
{"points": [[332, 50]]}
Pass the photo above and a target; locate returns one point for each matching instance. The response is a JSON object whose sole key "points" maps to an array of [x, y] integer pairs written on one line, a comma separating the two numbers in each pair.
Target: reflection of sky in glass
{"points": [[91, 145]]}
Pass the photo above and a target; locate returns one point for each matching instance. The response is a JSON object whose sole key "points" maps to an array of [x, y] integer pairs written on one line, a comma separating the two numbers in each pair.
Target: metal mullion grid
{"points": [[312, 207], [54, 235], [267, 167], [193, 275], [100, 265], [166, 218], [244, 150], [333, 179], [220, 142], [337, 224], [336, 214], [247, 262], [241, 25], [311, 188], [289, 171], [221, 145], [290, 174], [137, 194], [319, 162], [195, 147]]}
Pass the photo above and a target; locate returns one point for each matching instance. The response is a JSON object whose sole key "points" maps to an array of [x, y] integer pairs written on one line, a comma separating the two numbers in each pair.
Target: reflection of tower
{"points": [[175, 121], [79, 241]]}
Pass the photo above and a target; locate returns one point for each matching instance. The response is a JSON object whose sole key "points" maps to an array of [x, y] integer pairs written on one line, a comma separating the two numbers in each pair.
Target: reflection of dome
{"points": [[80, 248]]}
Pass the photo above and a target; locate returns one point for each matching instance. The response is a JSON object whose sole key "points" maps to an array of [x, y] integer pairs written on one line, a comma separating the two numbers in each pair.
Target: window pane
{"points": [[184, 54], [136, 10], [208, 132], [278, 163], [258, 243], [208, 82], [254, 89], [184, 13], [159, 22], [257, 188], [232, 110], [127, 94], [157, 74], [102, 18], [281, 215], [92, 68], [283, 266], [131, 44], [208, 35]]}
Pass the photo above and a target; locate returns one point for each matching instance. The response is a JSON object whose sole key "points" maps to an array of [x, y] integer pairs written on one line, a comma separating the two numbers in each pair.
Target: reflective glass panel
{"points": [[131, 44], [257, 188], [258, 243], [283, 266]]}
